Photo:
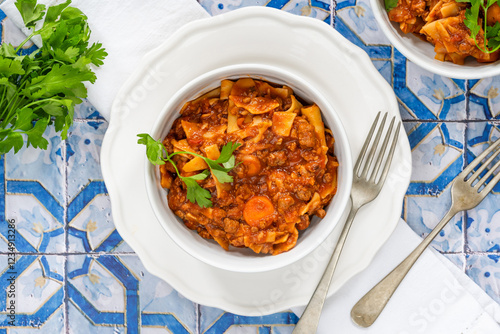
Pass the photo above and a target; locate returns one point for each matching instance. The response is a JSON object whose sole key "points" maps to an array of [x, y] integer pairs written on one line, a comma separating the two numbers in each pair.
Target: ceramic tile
{"points": [[283, 330], [38, 228], [313, 8], [33, 197], [458, 260], [117, 291], [83, 157], [242, 330], [86, 110], [34, 293], [437, 156], [428, 96], [485, 99], [355, 21], [422, 215], [80, 323], [214, 321], [483, 229], [38, 172], [91, 227], [357, 17], [484, 269], [209, 316]]}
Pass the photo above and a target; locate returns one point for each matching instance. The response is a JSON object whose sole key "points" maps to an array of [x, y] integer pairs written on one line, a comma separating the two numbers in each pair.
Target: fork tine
{"points": [[487, 175], [479, 158], [482, 168], [381, 155], [366, 144], [373, 150], [391, 153], [493, 182]]}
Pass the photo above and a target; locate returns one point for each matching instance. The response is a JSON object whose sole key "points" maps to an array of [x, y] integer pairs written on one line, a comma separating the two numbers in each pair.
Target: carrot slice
{"points": [[257, 209], [252, 164]]}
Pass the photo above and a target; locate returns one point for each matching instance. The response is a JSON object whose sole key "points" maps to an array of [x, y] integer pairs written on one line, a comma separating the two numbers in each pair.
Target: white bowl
{"points": [[422, 53], [237, 259]]}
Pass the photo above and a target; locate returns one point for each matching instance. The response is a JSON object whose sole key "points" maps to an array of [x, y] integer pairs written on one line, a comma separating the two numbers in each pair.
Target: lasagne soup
{"points": [[286, 169]]}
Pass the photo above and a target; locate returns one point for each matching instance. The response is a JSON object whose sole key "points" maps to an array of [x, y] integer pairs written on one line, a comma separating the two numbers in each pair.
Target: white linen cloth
{"points": [[128, 30], [434, 298]]}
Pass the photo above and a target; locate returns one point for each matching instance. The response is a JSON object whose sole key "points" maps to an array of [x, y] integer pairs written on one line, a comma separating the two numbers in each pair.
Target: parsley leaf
{"points": [[493, 36], [25, 119], [222, 176], [11, 140], [195, 193], [471, 19], [390, 4], [10, 66], [154, 149], [30, 12], [230, 162], [35, 134], [54, 12], [227, 152], [96, 54], [42, 88]]}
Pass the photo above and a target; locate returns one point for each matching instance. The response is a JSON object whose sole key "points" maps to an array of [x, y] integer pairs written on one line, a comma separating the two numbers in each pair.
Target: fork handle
{"points": [[308, 322], [369, 307]]}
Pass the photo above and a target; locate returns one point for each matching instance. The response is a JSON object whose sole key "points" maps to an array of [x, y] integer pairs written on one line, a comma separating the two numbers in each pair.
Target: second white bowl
{"points": [[422, 53]]}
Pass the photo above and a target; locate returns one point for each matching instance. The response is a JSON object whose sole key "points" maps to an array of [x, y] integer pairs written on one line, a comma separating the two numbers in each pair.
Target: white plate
{"points": [[306, 47]]}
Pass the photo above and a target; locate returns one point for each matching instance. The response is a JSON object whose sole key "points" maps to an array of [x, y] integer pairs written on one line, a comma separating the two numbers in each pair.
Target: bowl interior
{"points": [[422, 53], [236, 259]]}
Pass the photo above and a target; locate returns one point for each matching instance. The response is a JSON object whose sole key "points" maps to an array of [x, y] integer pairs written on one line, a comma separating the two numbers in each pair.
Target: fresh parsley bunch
{"points": [[157, 155], [42, 88]]}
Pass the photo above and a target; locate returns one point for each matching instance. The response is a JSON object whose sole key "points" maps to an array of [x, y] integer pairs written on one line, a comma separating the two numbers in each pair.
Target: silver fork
{"points": [[370, 172], [466, 193]]}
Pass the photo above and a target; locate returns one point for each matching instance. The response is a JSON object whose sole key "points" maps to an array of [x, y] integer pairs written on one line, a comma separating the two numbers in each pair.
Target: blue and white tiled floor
{"points": [[76, 274]]}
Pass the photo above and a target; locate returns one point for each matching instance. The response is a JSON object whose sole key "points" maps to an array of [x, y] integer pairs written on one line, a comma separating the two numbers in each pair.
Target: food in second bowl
{"points": [[285, 170], [457, 29]]}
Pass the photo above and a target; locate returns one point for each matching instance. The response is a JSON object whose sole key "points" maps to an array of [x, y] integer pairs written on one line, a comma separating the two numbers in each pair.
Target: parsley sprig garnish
{"points": [[42, 88], [158, 155], [491, 39]]}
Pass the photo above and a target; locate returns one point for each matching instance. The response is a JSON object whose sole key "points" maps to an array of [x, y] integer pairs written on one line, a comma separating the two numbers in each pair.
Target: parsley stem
{"points": [[42, 101], [25, 41], [12, 110], [485, 21], [186, 152], [12, 107], [175, 167], [173, 164], [3, 100]]}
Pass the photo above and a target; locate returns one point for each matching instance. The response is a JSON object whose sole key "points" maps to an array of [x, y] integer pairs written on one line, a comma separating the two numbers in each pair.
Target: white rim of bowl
{"points": [[265, 262]]}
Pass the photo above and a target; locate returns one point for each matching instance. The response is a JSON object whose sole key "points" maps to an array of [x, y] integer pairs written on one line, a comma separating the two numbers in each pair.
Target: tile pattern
{"points": [[74, 274]]}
